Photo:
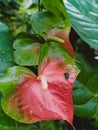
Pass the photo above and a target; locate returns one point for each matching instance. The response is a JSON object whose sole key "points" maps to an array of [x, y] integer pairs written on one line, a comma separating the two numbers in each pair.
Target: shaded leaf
{"points": [[47, 125], [84, 103], [42, 22], [28, 98], [84, 19], [85, 90], [6, 51], [34, 37]]}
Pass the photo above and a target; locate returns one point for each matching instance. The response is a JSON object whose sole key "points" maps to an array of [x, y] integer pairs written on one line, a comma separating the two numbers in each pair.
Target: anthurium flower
{"points": [[29, 98], [50, 29], [63, 34]]}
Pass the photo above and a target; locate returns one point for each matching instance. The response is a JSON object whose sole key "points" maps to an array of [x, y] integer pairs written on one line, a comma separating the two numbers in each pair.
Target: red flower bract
{"points": [[28, 98], [34, 103], [64, 35]]}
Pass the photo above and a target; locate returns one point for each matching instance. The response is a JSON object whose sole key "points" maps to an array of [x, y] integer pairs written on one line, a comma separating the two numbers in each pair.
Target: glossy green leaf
{"points": [[27, 52], [84, 18], [14, 76], [96, 1], [86, 90], [56, 7], [42, 22], [84, 104], [6, 51]]}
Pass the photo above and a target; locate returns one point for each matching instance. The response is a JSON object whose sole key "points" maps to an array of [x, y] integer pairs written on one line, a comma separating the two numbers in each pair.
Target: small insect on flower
{"points": [[66, 75]]}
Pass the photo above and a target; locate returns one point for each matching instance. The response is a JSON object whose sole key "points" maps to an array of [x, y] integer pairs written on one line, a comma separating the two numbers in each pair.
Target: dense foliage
{"points": [[48, 64]]}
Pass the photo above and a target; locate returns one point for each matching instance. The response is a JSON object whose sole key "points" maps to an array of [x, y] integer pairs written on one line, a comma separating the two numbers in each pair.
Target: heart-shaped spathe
{"points": [[29, 98]]}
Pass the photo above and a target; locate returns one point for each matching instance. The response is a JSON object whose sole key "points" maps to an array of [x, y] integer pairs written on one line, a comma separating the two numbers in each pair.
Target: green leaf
{"points": [[42, 22], [56, 7], [27, 52], [14, 76], [47, 125], [6, 51], [5, 120], [85, 92], [84, 18], [84, 105], [95, 1]]}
